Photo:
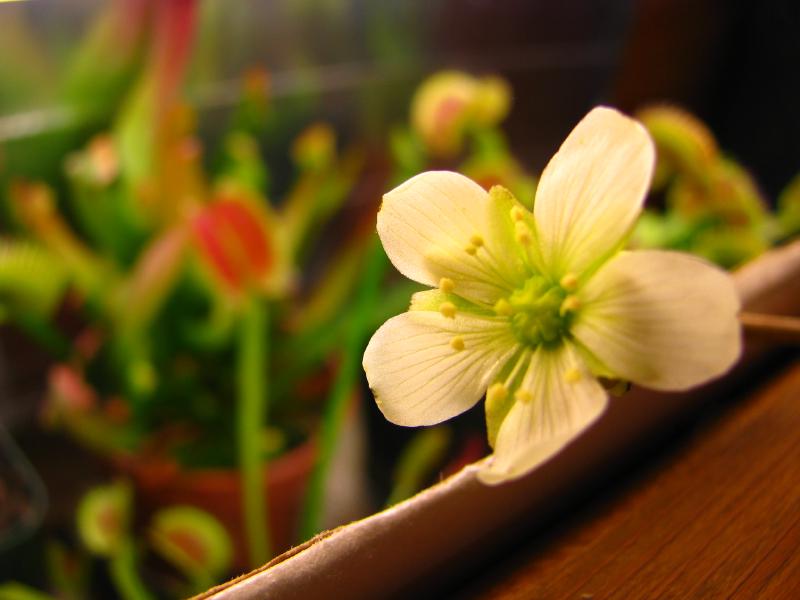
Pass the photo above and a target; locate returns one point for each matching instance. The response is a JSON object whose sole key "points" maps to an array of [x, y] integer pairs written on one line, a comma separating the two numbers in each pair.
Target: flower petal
{"points": [[592, 191], [420, 376], [661, 319], [564, 400], [428, 226]]}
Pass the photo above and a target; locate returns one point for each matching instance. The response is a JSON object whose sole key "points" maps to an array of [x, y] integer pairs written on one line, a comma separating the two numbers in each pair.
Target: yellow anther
{"points": [[446, 285], [448, 309], [523, 396], [500, 194], [517, 214], [503, 308], [570, 304], [569, 281], [457, 343], [572, 375], [522, 232], [476, 241], [471, 250], [497, 392]]}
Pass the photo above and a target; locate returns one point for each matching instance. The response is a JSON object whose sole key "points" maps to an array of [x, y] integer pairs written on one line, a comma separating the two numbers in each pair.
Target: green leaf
{"points": [[31, 278]]}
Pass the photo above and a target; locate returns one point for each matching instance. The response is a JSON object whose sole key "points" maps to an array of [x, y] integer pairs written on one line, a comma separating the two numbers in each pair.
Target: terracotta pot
{"points": [[160, 482]]}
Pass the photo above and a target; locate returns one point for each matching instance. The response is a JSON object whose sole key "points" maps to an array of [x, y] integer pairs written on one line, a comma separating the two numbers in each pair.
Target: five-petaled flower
{"points": [[532, 308]]}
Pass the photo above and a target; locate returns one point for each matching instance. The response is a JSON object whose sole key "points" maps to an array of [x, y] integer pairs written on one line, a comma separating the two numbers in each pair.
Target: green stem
{"points": [[125, 576], [336, 404], [252, 409], [419, 458]]}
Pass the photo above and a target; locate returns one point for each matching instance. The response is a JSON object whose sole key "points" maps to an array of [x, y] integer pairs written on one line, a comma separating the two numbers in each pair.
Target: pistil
{"points": [[539, 312]]}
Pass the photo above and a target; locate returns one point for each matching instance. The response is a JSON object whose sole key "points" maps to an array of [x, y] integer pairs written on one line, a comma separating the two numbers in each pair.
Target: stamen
{"points": [[539, 311], [497, 392], [523, 233], [471, 250], [448, 309], [572, 375], [517, 214], [523, 396], [476, 241], [446, 285], [503, 308], [457, 343], [569, 282], [500, 194], [570, 304]]}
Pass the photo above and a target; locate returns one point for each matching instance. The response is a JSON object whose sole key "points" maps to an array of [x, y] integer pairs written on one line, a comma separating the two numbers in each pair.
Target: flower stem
{"points": [[124, 574], [347, 373], [252, 408]]}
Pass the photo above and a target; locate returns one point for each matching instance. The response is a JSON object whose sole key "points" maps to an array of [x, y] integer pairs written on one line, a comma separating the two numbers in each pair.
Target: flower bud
{"points": [[448, 103], [440, 111]]}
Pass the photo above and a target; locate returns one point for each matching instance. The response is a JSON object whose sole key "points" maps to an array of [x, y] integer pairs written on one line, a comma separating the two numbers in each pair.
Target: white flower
{"points": [[533, 307]]}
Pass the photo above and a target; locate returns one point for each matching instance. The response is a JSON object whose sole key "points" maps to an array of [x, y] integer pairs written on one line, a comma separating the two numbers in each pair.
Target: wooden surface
{"points": [[717, 516]]}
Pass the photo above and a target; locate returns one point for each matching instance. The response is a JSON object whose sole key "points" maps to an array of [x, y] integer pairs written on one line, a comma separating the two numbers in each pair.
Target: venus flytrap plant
{"points": [[234, 238], [104, 525], [68, 571], [713, 207], [191, 540], [194, 542], [187, 274], [683, 142], [533, 308], [36, 208], [17, 259]]}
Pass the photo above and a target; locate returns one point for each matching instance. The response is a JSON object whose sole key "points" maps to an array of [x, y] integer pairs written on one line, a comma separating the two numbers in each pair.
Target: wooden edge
{"points": [[458, 517], [771, 328]]}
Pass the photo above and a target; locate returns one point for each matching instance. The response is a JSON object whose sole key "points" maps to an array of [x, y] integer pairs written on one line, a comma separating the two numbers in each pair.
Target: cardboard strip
{"points": [[455, 522]]}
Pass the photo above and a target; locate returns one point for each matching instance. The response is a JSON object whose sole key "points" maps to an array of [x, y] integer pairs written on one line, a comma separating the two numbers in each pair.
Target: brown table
{"points": [[716, 516]]}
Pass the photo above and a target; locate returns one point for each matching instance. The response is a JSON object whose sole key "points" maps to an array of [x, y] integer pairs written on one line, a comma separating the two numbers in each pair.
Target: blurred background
{"points": [[187, 201]]}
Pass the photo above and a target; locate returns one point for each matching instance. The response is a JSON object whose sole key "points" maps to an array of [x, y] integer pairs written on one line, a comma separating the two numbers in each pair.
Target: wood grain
{"points": [[719, 519]]}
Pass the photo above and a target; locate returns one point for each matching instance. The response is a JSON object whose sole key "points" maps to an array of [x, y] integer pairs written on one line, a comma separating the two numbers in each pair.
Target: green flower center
{"points": [[539, 312]]}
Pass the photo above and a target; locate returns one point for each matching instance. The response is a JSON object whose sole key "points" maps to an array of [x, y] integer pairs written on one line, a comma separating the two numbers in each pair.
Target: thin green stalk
{"points": [[124, 574], [346, 376], [252, 413], [417, 462]]}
